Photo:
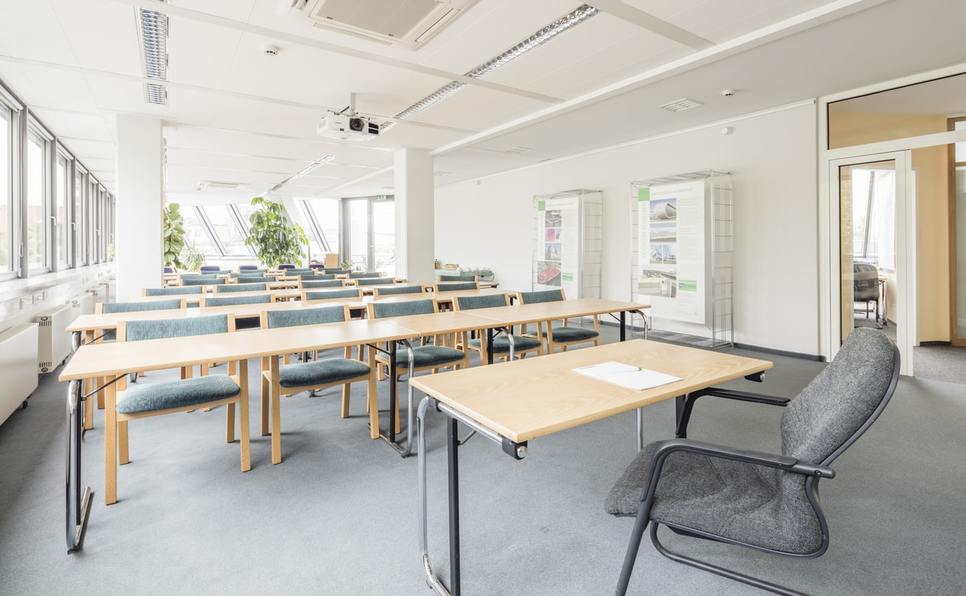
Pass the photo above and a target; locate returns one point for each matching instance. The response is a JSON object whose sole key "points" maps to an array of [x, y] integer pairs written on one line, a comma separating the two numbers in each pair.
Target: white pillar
{"points": [[415, 244], [139, 246]]}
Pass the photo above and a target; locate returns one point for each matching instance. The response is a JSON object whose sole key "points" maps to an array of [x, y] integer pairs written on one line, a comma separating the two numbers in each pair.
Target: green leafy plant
{"points": [[272, 236], [190, 257], [173, 231]]}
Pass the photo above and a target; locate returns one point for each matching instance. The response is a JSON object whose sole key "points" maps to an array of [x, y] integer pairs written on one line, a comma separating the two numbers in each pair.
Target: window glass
{"points": [[61, 223], [245, 210], [384, 236], [326, 214], [196, 235], [6, 194], [960, 147], [223, 224], [80, 256], [35, 211], [357, 228]]}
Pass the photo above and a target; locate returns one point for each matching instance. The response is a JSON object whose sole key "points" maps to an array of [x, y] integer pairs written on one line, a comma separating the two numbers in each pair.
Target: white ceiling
{"points": [[237, 115]]}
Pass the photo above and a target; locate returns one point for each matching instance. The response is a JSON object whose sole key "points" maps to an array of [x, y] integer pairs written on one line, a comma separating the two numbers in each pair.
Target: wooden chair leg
{"points": [[275, 397], [110, 446], [123, 454], [246, 454], [345, 399], [204, 370], [264, 398], [372, 401], [100, 394], [230, 423]]}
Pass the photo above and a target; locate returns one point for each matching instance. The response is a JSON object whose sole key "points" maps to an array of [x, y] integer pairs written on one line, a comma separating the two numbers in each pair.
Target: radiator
{"points": [[53, 342], [18, 367]]}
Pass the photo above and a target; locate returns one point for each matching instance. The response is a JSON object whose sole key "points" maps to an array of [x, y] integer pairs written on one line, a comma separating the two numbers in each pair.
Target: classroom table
{"points": [[519, 401]]}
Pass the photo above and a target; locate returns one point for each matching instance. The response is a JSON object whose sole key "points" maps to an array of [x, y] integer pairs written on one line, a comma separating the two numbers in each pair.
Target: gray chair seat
{"points": [[720, 497], [573, 334], [320, 372], [427, 356], [502, 344], [176, 394]]}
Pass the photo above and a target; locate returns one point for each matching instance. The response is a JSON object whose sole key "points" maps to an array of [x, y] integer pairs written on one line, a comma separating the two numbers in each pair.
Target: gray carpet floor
{"points": [[338, 516], [931, 361]]}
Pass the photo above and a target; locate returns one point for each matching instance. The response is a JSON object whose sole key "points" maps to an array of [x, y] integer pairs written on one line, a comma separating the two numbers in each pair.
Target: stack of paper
{"points": [[626, 375]]}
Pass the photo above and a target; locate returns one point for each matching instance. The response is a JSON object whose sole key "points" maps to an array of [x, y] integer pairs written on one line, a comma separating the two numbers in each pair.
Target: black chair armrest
{"points": [[684, 417]]}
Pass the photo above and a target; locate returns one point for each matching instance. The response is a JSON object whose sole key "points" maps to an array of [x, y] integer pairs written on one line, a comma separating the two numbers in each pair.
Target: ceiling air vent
{"points": [[153, 33], [218, 185], [408, 23], [681, 105]]}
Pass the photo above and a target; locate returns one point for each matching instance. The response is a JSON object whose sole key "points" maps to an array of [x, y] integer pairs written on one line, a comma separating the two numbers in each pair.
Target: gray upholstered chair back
{"points": [[299, 271], [305, 316], [457, 277], [363, 275], [305, 274], [327, 294], [865, 282], [336, 271], [249, 268], [381, 310], [255, 279], [376, 281], [198, 276], [236, 300], [112, 307], [843, 400], [488, 301], [210, 268], [541, 296], [143, 330], [321, 283], [400, 290], [241, 287], [173, 291], [320, 275], [202, 281], [453, 286]]}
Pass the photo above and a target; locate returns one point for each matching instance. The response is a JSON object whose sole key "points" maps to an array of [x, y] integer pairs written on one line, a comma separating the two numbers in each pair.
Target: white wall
{"points": [[488, 222]]}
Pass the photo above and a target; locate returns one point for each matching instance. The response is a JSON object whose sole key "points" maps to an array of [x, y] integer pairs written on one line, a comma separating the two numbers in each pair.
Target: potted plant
{"points": [[272, 236], [173, 231], [190, 257]]}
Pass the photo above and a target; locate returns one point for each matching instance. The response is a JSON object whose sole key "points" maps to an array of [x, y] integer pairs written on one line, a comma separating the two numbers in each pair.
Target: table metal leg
{"points": [[623, 316], [640, 429], [390, 435], [489, 345], [452, 460], [78, 506]]}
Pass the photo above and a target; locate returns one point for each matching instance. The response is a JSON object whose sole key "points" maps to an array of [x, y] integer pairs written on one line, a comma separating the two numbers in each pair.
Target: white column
{"points": [[415, 243], [139, 246]]}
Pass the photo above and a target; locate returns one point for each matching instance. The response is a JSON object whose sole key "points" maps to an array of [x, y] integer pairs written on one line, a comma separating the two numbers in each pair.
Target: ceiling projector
{"points": [[344, 127]]}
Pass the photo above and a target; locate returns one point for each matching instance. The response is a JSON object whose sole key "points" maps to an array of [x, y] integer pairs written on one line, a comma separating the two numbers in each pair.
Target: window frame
{"points": [[235, 219], [33, 128], [11, 113], [345, 236], [61, 154]]}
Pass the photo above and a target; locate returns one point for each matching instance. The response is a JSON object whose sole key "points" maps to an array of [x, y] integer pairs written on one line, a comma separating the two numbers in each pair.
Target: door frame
{"points": [[906, 274]]}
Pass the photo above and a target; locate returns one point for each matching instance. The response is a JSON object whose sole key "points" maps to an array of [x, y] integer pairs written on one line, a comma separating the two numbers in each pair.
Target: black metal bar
{"points": [[623, 325], [392, 391], [682, 411], [77, 499], [489, 345], [452, 452], [633, 546]]}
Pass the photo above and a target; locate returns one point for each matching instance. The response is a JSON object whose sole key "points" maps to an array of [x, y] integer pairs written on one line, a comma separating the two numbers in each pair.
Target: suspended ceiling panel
{"points": [[102, 35]]}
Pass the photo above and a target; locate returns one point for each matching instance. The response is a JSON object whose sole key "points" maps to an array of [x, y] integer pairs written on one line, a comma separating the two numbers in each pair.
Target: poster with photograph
{"points": [[557, 254], [671, 250]]}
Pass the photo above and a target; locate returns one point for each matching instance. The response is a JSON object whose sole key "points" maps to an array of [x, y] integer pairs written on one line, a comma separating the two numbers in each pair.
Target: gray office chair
{"points": [[865, 286], [748, 498]]}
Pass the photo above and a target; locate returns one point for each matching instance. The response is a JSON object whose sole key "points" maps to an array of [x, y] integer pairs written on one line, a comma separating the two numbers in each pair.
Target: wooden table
{"points": [[515, 402]]}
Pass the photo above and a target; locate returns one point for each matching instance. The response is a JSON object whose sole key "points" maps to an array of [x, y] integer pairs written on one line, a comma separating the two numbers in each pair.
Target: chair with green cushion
{"points": [[453, 286], [330, 294], [522, 344], [458, 277], [173, 291], [563, 335], [395, 290], [432, 356], [321, 283], [198, 276], [188, 394], [294, 272], [363, 274], [255, 279], [238, 300], [202, 281], [336, 271], [376, 281], [104, 308], [240, 287], [320, 275], [288, 379]]}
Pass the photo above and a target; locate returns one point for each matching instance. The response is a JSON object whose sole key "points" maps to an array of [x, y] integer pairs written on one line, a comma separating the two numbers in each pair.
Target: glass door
{"points": [[369, 233], [957, 239], [356, 236]]}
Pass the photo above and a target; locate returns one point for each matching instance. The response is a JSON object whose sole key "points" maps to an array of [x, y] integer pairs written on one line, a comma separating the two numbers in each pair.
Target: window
{"points": [[357, 233], [79, 221], [384, 236], [36, 205], [323, 215], [6, 190], [197, 235], [873, 216], [61, 217], [369, 233], [226, 228]]}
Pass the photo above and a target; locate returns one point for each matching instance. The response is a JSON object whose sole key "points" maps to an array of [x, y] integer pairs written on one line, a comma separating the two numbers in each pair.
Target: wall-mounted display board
{"points": [[682, 240], [568, 238]]}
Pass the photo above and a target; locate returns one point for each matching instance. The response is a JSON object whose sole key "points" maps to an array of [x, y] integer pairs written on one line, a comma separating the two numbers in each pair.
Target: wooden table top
{"points": [[546, 311], [441, 323], [115, 358], [531, 398]]}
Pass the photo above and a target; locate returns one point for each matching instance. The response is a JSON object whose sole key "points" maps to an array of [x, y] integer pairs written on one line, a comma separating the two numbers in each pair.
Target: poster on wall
{"points": [[671, 250], [557, 258]]}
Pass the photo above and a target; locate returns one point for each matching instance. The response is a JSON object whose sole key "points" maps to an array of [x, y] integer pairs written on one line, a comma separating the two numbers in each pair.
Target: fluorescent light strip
{"points": [[154, 47], [542, 36]]}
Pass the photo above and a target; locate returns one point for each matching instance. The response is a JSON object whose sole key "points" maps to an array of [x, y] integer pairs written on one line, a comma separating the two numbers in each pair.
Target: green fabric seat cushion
{"points": [[156, 329], [321, 283], [573, 334], [400, 290], [401, 309], [376, 281], [150, 397], [427, 356], [305, 316], [238, 300], [541, 296], [320, 372], [173, 291], [501, 344], [454, 286], [241, 287], [331, 294]]}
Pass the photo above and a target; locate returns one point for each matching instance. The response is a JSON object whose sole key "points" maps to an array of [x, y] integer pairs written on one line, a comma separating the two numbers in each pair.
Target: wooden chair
{"points": [[433, 357], [184, 395], [289, 379], [522, 344], [563, 335]]}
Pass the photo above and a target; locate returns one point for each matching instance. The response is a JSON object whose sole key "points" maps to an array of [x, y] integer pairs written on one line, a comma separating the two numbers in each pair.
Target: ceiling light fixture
{"points": [[303, 172], [154, 51], [537, 39]]}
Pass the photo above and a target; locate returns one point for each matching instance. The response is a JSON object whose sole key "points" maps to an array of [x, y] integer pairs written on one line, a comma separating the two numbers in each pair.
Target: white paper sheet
{"points": [[626, 375]]}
